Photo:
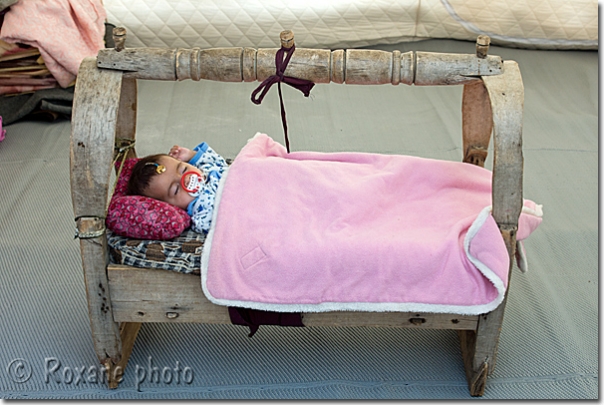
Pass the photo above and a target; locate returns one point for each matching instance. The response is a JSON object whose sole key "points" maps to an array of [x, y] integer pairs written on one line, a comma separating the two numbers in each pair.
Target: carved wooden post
{"points": [[506, 94], [352, 66]]}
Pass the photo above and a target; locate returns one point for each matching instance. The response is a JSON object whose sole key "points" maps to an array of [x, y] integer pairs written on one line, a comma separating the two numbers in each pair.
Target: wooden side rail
{"points": [[152, 295], [104, 109]]}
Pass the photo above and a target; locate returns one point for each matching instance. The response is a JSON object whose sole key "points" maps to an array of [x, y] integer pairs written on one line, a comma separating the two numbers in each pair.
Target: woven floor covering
{"points": [[549, 341]]}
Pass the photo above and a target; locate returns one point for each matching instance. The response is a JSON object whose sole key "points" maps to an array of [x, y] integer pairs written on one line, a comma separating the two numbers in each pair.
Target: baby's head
{"points": [[158, 176]]}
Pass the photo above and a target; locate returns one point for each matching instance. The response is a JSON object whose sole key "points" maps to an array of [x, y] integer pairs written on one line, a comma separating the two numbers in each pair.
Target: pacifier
{"points": [[191, 182]]}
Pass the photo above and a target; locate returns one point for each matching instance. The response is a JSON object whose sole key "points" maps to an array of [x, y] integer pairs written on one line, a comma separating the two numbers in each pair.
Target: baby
{"points": [[185, 178]]}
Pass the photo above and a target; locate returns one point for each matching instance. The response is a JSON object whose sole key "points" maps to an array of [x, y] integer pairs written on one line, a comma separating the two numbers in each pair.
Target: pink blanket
{"points": [[312, 232], [65, 32]]}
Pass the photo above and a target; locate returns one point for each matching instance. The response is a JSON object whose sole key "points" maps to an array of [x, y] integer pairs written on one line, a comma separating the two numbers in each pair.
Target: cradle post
{"points": [[94, 117], [477, 114], [482, 46], [479, 348], [119, 38], [287, 39], [115, 372], [506, 95], [126, 117], [477, 123]]}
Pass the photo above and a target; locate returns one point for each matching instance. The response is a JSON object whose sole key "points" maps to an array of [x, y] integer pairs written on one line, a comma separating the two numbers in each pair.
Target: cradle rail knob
{"points": [[482, 46], [119, 38], [287, 39]]}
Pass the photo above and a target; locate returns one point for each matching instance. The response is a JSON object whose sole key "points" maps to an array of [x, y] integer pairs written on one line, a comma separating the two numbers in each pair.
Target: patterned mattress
{"points": [[181, 254], [540, 24]]}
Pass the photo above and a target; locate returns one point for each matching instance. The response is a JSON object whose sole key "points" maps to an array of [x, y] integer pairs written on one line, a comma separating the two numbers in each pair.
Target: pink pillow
{"points": [[139, 217]]}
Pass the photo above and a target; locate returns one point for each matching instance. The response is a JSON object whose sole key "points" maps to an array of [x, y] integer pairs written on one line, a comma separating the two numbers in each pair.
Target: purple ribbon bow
{"points": [[301, 84]]}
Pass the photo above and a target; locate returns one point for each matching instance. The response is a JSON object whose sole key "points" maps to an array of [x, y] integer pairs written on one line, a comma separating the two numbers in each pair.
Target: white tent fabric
{"points": [[538, 24]]}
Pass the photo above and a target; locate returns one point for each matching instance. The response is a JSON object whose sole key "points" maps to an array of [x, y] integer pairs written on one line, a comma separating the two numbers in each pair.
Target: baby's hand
{"points": [[180, 153]]}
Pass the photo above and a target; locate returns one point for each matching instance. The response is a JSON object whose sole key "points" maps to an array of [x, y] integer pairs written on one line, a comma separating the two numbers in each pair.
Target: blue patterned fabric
{"points": [[212, 165]]}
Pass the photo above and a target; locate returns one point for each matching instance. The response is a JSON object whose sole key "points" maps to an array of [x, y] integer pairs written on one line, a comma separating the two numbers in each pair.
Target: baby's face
{"points": [[166, 186]]}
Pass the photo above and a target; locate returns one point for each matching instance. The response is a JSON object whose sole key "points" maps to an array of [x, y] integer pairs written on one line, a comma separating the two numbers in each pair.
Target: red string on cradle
{"points": [[305, 86]]}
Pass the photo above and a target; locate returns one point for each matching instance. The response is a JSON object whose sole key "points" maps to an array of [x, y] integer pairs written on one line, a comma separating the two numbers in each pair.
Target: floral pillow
{"points": [[140, 217]]}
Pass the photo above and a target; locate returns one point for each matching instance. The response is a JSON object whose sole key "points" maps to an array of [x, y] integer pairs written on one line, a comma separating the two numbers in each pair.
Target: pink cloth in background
{"points": [[2, 131], [312, 232], [65, 32], [18, 89]]}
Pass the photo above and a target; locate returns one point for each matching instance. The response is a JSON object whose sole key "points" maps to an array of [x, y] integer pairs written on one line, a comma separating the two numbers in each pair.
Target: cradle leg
{"points": [[476, 377], [477, 123], [105, 331], [479, 349], [115, 371]]}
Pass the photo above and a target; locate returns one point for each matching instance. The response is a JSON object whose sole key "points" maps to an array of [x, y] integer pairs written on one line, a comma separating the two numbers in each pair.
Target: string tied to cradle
{"points": [[121, 151], [282, 58]]}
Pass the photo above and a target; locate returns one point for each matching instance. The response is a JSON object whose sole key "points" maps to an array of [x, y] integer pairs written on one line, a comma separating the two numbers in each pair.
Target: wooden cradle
{"points": [[120, 297]]}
